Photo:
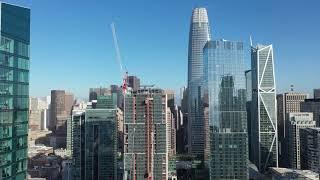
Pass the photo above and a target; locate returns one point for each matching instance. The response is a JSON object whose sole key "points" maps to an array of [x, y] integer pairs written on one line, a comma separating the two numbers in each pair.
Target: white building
{"points": [[296, 122]]}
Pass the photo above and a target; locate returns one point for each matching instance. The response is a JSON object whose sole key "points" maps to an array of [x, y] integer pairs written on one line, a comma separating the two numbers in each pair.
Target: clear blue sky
{"points": [[72, 47]]}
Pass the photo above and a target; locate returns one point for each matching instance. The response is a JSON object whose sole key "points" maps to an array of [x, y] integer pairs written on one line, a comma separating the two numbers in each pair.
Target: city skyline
{"points": [[168, 33], [232, 122]]}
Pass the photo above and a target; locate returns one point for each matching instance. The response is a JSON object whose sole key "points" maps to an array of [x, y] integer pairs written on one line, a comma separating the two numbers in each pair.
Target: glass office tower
{"points": [[224, 79], [14, 90], [198, 36], [100, 144], [264, 108]]}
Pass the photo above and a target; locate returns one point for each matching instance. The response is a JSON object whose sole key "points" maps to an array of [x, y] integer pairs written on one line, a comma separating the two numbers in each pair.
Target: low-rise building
{"points": [[291, 174]]}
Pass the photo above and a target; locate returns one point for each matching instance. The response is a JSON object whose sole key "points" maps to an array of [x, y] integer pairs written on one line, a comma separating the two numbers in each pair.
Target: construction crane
{"points": [[124, 88], [124, 85]]}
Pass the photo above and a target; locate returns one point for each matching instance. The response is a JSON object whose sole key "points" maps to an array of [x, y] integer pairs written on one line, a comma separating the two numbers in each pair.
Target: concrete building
{"points": [[286, 103], [38, 113], [134, 82], [172, 122], [225, 90], [45, 166], [292, 174], [145, 135], [312, 105], [118, 90], [171, 134], [264, 108], [60, 110], [310, 149], [198, 36], [295, 123], [14, 90]]}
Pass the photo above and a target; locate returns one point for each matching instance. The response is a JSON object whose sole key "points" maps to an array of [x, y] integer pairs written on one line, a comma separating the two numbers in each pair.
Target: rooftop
{"points": [[293, 173]]}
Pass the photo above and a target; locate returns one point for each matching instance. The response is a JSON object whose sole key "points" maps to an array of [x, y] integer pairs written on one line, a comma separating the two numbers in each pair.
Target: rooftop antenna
{"points": [[250, 41]]}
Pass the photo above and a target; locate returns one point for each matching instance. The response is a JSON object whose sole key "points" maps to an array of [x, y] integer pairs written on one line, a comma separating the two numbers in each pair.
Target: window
{"points": [[6, 74], [23, 49], [6, 89], [6, 171], [5, 103], [6, 44], [5, 117], [21, 129], [23, 63], [6, 60], [23, 76], [6, 132]]}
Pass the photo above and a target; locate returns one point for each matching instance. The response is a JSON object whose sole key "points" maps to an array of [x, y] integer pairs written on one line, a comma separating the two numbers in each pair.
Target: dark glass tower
{"points": [[14, 90], [224, 85], [198, 36], [94, 140]]}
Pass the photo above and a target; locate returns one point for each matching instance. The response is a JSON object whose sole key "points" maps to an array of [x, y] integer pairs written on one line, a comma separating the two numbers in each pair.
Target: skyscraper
{"points": [[60, 110], [100, 144], [77, 142], [312, 105], [316, 93], [248, 75], [94, 140], [286, 103], [264, 109], [134, 82], [14, 90], [225, 86], [145, 135], [310, 149], [198, 36], [295, 122]]}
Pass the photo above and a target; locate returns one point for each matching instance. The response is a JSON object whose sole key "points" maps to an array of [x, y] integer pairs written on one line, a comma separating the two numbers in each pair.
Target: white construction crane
{"points": [[118, 56], [124, 87]]}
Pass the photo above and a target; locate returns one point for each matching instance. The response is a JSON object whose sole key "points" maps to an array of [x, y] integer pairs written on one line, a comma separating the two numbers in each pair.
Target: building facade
{"points": [[286, 103], [14, 90], [145, 135], [316, 93], [198, 36], [285, 174], [134, 82], [76, 134], [94, 140], [312, 105], [225, 86], [310, 149], [95, 92], [60, 111], [248, 75], [295, 123], [100, 144], [264, 108]]}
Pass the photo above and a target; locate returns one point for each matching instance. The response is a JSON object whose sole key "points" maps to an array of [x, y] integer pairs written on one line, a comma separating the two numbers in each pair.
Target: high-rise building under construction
{"points": [[145, 135]]}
